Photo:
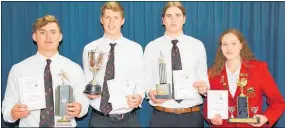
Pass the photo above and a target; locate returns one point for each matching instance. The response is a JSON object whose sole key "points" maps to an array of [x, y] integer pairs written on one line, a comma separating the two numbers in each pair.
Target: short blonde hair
{"points": [[40, 22], [173, 4], [114, 6]]}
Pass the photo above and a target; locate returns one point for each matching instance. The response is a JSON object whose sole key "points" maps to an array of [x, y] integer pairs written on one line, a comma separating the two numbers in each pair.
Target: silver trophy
{"points": [[232, 109], [63, 95], [96, 61], [163, 88]]}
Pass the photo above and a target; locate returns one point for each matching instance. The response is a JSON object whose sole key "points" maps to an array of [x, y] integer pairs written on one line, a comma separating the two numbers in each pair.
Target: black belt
{"points": [[116, 116]]}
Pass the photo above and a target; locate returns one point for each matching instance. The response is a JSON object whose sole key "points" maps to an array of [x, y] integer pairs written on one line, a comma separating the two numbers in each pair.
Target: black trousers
{"points": [[99, 120], [163, 119]]}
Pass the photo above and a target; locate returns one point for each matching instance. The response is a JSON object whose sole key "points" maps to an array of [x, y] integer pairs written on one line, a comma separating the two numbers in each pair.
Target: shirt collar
{"points": [[168, 38], [43, 58], [236, 73], [118, 41]]}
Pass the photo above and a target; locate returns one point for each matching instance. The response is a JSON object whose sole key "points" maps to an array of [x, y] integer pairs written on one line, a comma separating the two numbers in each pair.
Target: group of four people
{"points": [[129, 65]]}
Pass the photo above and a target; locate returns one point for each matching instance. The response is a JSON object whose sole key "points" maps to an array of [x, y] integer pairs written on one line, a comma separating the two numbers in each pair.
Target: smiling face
{"points": [[231, 46], [48, 37], [112, 22]]}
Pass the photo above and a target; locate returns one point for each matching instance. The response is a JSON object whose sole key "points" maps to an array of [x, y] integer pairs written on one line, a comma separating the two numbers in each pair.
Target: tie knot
{"points": [[174, 42], [48, 61], [112, 46]]}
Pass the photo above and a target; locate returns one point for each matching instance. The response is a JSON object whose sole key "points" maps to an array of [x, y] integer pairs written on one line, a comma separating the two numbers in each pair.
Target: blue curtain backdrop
{"points": [[262, 23]]}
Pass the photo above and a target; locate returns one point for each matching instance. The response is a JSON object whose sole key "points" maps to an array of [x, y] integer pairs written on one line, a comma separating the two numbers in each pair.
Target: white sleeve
{"points": [[11, 97], [148, 69], [202, 66], [86, 70], [80, 83], [138, 73]]}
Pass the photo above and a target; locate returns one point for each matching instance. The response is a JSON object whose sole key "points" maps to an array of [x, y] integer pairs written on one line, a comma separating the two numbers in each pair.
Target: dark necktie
{"points": [[105, 106], [176, 63], [47, 114]]}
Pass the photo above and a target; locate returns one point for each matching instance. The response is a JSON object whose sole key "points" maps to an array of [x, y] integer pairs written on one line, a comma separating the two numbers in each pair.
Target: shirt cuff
{"points": [[9, 116], [147, 96]]}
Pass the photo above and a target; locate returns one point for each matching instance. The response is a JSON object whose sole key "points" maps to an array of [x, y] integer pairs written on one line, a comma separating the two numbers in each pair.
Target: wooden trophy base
{"points": [[163, 97], [163, 91], [63, 122], [63, 119], [244, 120]]}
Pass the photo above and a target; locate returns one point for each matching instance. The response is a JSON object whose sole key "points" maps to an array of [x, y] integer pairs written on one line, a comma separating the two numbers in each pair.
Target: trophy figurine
{"points": [[163, 88], [242, 106], [63, 95], [232, 109], [96, 60], [254, 110]]}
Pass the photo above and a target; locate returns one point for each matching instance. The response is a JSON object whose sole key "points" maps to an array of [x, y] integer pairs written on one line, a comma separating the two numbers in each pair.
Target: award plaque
{"points": [[63, 95], [242, 107], [163, 88]]}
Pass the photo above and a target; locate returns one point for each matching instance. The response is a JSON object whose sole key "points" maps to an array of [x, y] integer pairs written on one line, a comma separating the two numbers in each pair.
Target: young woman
{"points": [[234, 62]]}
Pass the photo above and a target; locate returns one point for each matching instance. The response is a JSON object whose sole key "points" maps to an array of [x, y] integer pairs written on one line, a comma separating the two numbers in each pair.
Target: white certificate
{"points": [[183, 86], [32, 93], [117, 94], [217, 103]]}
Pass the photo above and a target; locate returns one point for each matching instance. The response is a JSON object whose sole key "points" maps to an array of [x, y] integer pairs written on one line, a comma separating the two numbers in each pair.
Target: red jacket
{"points": [[259, 83]]}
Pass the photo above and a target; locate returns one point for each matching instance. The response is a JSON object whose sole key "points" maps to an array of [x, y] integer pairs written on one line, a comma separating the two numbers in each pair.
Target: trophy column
{"points": [[163, 88], [63, 95], [242, 106]]}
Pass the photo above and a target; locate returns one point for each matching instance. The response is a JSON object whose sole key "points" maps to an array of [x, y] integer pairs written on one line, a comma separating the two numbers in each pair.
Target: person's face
{"points": [[48, 37], [112, 22], [173, 20], [231, 46]]}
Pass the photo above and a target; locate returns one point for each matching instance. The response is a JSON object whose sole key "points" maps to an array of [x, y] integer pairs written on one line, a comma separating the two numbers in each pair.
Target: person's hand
{"points": [[262, 120], [201, 86], [152, 94], [93, 96], [217, 120], [19, 111], [134, 100], [73, 109]]}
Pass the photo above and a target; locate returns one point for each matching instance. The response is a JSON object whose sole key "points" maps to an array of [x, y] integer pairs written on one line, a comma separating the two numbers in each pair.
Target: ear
{"points": [[101, 20], [241, 45], [162, 19], [60, 37], [123, 21], [34, 36], [184, 19]]}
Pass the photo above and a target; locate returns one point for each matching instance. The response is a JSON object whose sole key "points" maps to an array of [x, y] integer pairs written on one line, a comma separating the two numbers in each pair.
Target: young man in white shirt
{"points": [[185, 59], [42, 70], [110, 109]]}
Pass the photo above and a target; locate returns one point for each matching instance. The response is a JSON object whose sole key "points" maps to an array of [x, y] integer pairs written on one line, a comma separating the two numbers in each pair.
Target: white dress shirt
{"points": [[129, 68], [194, 65], [232, 79], [33, 67]]}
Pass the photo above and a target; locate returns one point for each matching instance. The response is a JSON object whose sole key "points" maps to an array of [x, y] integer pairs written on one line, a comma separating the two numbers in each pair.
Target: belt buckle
{"points": [[176, 111], [120, 116]]}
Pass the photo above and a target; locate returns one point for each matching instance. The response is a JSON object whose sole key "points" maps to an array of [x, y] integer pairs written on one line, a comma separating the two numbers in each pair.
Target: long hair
{"points": [[245, 53]]}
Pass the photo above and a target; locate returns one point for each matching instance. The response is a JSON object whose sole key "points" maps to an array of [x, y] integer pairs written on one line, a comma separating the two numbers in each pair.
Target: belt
{"points": [[116, 116], [178, 110]]}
